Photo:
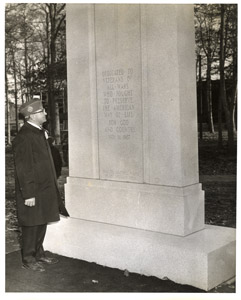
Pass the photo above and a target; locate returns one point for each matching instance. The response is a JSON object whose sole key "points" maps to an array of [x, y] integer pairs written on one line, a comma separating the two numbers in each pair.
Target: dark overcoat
{"points": [[35, 177]]}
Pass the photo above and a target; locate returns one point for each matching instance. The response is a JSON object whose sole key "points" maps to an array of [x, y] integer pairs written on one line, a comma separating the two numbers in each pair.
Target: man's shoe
{"points": [[48, 260], [34, 266]]}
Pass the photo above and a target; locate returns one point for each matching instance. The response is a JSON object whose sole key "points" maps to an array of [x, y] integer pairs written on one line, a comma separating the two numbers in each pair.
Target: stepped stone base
{"points": [[203, 259]]}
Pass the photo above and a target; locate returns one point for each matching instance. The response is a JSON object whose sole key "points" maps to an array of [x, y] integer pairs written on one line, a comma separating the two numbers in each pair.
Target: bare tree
{"points": [[39, 64], [206, 39], [55, 16], [222, 87], [229, 13], [216, 39]]}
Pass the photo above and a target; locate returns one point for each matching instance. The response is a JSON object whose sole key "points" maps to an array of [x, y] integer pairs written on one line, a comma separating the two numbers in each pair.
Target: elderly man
{"points": [[37, 195]]}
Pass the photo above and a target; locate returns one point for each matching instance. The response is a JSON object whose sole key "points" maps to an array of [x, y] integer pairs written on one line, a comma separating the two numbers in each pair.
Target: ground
{"points": [[217, 171], [217, 174]]}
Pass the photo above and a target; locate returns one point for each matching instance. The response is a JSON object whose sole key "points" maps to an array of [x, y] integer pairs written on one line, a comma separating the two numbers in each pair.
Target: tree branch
{"points": [[58, 27]]}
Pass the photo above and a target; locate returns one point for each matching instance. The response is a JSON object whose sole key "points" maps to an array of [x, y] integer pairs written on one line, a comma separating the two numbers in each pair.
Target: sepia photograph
{"points": [[121, 126]]}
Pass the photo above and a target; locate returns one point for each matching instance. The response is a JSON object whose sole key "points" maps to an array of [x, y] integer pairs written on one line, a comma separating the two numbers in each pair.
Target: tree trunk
{"points": [[15, 90], [220, 113], [26, 68], [231, 120], [229, 123], [21, 84], [222, 88], [48, 75], [209, 97], [8, 111], [54, 117], [57, 127], [233, 105], [234, 89], [200, 98], [51, 101]]}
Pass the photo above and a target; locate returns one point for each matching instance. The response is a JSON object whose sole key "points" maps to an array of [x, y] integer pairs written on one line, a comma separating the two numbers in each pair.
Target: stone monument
{"points": [[133, 189]]}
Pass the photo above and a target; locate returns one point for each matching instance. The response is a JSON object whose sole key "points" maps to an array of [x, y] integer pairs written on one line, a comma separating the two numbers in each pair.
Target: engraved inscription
{"points": [[118, 105]]}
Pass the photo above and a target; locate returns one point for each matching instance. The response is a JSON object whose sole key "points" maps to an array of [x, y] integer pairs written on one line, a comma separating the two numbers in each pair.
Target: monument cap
{"points": [[30, 107]]}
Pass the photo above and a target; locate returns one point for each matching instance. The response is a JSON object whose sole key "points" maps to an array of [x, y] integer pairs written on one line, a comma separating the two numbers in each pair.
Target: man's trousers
{"points": [[32, 242]]}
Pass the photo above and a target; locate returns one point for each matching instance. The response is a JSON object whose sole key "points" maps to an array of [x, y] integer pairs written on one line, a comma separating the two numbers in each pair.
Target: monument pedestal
{"points": [[203, 259], [165, 209], [133, 189]]}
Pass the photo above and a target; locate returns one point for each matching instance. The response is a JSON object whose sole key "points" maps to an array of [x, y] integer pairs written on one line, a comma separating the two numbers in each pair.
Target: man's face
{"points": [[39, 116]]}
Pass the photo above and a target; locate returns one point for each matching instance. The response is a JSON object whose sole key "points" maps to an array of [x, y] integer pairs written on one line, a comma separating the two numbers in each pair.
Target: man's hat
{"points": [[30, 107]]}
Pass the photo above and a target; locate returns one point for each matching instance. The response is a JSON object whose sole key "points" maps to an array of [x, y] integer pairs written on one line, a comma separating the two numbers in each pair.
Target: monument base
{"points": [[165, 209], [203, 259]]}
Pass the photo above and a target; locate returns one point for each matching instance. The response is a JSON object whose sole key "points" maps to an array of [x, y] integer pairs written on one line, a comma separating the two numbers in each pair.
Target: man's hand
{"points": [[30, 202]]}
